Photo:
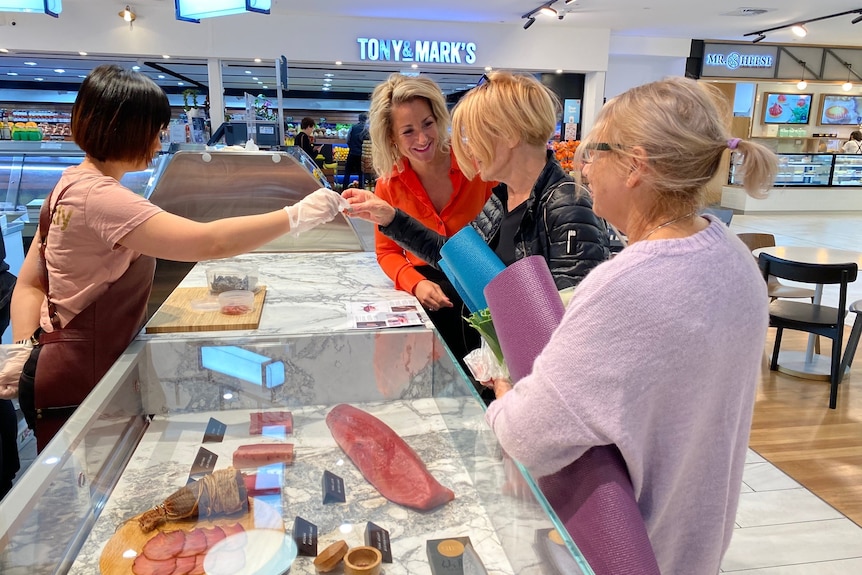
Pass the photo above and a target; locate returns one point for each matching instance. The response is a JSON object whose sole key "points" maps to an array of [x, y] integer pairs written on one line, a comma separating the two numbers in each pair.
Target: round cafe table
{"points": [[807, 364]]}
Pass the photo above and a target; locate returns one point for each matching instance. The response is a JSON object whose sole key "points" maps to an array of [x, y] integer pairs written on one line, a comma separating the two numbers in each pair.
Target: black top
{"points": [[504, 242], [303, 140], [357, 133], [3, 265]]}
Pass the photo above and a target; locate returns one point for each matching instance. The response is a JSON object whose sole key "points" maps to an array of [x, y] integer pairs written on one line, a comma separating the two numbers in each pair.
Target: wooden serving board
{"points": [[120, 551], [176, 314]]}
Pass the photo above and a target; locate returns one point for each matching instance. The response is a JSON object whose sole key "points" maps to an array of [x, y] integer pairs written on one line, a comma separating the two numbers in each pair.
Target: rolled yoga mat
{"points": [[526, 309], [453, 279], [473, 264]]}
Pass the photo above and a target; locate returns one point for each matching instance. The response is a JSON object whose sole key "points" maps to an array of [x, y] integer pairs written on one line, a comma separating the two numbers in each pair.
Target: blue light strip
{"points": [[243, 364], [195, 10], [49, 7]]}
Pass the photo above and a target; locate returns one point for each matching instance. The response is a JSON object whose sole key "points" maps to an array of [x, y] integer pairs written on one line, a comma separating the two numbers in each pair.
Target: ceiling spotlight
{"points": [[848, 85], [799, 30], [760, 38], [547, 11], [128, 15], [802, 84], [530, 21], [856, 20], [569, 1], [82, 53]]}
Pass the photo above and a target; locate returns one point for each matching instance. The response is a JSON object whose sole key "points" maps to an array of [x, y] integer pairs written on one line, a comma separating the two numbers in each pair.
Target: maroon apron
{"points": [[74, 358]]}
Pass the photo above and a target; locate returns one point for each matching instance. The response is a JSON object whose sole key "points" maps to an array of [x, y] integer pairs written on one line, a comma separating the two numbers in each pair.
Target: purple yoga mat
{"points": [[526, 308]]}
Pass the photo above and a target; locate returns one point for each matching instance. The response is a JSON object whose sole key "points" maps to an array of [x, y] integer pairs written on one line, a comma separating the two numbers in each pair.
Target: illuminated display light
{"points": [[196, 10], [243, 364], [49, 7]]}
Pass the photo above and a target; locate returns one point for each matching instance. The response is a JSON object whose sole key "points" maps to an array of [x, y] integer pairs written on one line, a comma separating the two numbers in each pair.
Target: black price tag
{"points": [[215, 431], [305, 537], [378, 537], [333, 488], [204, 464]]}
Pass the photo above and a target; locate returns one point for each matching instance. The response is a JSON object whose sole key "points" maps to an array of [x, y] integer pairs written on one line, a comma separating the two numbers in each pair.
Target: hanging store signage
{"points": [[738, 61], [49, 7], [195, 10], [420, 51]]}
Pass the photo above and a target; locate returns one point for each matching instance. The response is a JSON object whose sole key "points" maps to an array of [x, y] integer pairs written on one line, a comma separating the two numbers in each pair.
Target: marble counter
{"points": [[306, 292]]}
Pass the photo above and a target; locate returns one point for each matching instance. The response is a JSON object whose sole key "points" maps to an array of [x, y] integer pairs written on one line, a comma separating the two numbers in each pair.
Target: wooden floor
{"points": [[795, 430]]}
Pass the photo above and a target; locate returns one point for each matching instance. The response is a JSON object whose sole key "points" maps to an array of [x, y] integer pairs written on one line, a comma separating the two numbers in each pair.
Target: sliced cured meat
{"points": [[198, 569], [143, 565], [235, 537], [184, 566], [386, 461], [165, 545], [195, 542], [260, 454], [213, 535], [261, 419]]}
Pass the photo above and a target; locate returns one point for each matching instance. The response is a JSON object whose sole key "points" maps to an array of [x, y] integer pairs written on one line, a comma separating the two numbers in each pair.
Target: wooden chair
{"points": [[776, 288], [808, 317], [853, 340]]}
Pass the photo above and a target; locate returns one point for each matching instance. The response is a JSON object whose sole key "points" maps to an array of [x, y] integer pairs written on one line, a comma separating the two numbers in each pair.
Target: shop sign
{"points": [[739, 61], [421, 51]]}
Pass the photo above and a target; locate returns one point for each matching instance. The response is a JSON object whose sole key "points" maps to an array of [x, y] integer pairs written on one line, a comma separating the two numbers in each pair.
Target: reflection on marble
{"points": [[501, 527]]}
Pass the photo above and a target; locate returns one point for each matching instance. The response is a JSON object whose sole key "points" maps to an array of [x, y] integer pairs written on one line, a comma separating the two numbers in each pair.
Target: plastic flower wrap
{"points": [[486, 363]]}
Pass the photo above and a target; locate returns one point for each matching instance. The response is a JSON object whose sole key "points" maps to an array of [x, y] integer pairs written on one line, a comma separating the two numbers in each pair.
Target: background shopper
{"points": [[101, 240], [854, 144], [353, 165], [660, 348]]}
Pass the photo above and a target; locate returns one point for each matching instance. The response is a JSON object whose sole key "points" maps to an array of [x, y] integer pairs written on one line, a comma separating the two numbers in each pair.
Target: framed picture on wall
{"points": [[840, 110], [779, 108]]}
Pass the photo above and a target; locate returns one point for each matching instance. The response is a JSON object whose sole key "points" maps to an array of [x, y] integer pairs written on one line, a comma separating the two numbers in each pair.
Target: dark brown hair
{"points": [[307, 123], [117, 115]]}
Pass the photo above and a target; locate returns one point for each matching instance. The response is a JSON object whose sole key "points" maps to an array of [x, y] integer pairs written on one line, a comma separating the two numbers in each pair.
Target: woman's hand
{"points": [[431, 295], [500, 386], [365, 205]]}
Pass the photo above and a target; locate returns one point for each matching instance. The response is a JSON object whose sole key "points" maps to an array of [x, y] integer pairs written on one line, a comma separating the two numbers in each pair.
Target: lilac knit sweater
{"points": [[659, 353]]}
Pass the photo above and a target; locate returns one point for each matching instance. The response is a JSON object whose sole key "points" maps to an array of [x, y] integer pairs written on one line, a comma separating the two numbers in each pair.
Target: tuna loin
{"points": [[386, 461]]}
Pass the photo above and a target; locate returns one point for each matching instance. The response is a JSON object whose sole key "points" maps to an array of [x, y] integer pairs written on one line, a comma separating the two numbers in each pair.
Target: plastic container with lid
{"points": [[236, 302], [228, 277]]}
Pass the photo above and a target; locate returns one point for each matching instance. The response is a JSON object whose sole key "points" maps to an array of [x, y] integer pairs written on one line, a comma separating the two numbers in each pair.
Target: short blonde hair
{"points": [[394, 91], [514, 108], [683, 127]]}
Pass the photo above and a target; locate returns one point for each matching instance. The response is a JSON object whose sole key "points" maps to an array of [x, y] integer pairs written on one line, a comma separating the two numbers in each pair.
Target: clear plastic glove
{"points": [[484, 366], [319, 207]]}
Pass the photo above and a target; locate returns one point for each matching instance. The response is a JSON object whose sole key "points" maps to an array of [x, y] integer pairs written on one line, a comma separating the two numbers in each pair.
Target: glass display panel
{"points": [[779, 108], [848, 170]]}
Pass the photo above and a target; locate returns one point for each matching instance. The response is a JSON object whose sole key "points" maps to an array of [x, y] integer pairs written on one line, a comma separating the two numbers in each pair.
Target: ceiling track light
{"points": [[802, 84], [128, 15], [800, 28], [848, 85], [545, 9]]}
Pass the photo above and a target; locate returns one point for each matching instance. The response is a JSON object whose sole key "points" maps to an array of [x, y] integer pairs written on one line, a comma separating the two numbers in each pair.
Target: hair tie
{"points": [[733, 142]]}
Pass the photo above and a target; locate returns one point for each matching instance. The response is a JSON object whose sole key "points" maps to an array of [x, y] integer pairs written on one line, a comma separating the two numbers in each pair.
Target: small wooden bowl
{"points": [[362, 561], [329, 558]]}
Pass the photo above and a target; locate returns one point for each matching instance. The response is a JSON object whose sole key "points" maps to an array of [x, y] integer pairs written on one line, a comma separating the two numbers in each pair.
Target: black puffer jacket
{"points": [[559, 224]]}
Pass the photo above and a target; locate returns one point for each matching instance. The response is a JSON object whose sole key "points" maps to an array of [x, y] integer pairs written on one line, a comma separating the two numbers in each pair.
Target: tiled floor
{"points": [[782, 528]]}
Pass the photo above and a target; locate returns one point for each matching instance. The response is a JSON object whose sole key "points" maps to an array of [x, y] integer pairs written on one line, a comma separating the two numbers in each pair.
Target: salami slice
{"points": [[195, 542], [213, 535], [260, 454], [261, 419], [386, 461], [165, 545], [184, 566], [143, 565]]}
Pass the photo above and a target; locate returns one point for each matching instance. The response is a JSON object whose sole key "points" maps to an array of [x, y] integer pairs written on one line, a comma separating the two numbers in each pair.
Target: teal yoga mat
{"points": [[472, 264]]}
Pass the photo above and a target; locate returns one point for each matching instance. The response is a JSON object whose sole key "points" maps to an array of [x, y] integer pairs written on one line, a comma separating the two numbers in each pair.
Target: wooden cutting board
{"points": [[126, 543], [176, 314]]}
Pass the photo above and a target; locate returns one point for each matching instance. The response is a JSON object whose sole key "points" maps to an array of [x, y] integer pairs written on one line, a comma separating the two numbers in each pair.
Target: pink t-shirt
{"points": [[83, 255]]}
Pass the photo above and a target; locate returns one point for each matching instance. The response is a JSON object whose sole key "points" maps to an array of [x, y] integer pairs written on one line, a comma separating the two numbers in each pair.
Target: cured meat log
{"points": [[386, 461], [261, 419], [260, 454], [221, 492]]}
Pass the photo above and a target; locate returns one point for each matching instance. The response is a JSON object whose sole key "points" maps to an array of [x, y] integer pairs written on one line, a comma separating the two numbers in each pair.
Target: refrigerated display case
{"points": [[136, 438], [798, 170], [847, 170]]}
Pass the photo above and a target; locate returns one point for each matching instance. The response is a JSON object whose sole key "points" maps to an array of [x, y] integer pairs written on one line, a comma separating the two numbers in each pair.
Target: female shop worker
{"points": [[854, 144], [502, 128], [100, 240], [660, 349], [409, 128]]}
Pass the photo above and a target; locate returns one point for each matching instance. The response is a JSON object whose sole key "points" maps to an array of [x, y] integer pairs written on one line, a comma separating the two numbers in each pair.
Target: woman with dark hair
{"points": [[854, 144], [303, 138], [83, 288]]}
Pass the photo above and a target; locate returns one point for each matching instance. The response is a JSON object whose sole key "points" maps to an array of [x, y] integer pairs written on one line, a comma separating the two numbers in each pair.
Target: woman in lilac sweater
{"points": [[660, 348]]}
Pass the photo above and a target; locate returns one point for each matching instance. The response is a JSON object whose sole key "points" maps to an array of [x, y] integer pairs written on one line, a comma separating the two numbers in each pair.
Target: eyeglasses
{"points": [[485, 79], [588, 155]]}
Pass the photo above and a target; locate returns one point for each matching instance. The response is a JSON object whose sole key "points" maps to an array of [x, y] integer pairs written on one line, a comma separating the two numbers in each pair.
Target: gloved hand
{"points": [[319, 207]]}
